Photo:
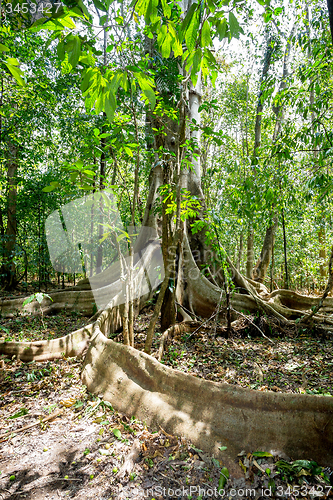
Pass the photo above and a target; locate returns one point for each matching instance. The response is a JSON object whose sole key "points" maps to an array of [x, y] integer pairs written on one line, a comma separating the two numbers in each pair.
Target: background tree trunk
{"points": [[8, 268]]}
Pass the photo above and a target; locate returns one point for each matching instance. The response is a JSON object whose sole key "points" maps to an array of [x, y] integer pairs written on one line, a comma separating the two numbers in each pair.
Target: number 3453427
{"points": [[32, 8]]}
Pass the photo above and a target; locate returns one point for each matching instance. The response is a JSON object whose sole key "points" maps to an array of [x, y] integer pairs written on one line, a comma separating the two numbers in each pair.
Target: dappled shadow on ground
{"points": [[210, 413]]}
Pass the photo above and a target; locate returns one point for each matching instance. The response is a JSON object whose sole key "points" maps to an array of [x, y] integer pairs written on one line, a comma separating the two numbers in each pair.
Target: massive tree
{"points": [[199, 277]]}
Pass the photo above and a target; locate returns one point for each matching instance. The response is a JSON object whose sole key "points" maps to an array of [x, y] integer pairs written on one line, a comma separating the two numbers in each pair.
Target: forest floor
{"points": [[76, 444]]}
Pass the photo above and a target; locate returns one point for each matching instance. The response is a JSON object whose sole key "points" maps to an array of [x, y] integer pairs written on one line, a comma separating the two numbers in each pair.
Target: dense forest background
{"points": [[265, 147]]}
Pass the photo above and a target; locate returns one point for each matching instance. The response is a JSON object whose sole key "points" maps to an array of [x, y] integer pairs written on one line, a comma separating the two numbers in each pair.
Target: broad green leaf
{"points": [[223, 478], [117, 433], [261, 454], [48, 189], [221, 28], [13, 61], [166, 46], [79, 164], [235, 29], [177, 48], [223, 448], [54, 24], [3, 48], [86, 82], [205, 35], [110, 105], [166, 8], [99, 105], [211, 6], [61, 50], [192, 31], [75, 52], [16, 72], [28, 300], [146, 89], [141, 6], [100, 5], [187, 20], [124, 82], [128, 151], [115, 82], [197, 60]]}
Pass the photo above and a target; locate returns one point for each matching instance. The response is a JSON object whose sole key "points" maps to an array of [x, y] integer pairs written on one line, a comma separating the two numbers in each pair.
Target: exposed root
{"points": [[130, 459], [170, 333], [69, 346]]}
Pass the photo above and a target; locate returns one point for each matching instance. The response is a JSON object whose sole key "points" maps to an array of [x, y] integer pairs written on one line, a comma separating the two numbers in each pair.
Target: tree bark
{"points": [[260, 104], [260, 270], [250, 253], [330, 13], [8, 269]]}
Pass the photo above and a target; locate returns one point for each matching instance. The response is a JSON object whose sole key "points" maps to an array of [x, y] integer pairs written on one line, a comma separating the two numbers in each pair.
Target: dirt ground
{"points": [[58, 441]]}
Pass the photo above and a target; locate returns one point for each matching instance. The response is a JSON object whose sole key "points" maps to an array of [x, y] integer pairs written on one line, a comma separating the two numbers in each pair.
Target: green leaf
{"points": [[211, 6], [166, 46], [187, 20], [75, 52], [16, 72], [222, 448], [117, 433], [192, 31], [28, 300], [205, 34], [20, 413], [79, 164], [221, 28], [48, 189], [197, 60], [261, 454], [61, 51], [146, 88], [223, 478], [86, 82], [166, 8], [110, 105], [13, 61], [3, 48], [235, 29], [100, 5]]}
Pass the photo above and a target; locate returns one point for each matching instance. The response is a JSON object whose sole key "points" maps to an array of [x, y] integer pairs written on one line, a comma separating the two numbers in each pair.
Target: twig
{"points": [[257, 327], [46, 419], [187, 310], [169, 478], [203, 324], [68, 479]]}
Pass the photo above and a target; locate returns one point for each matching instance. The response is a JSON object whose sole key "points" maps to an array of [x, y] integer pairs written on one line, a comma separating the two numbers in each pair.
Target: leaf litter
{"points": [[60, 441]]}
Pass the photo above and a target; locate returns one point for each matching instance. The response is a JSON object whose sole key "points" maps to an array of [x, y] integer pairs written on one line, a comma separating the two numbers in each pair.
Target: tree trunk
{"points": [[240, 252], [8, 270], [330, 13], [260, 104], [322, 252], [286, 282], [250, 254], [278, 110], [261, 267]]}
